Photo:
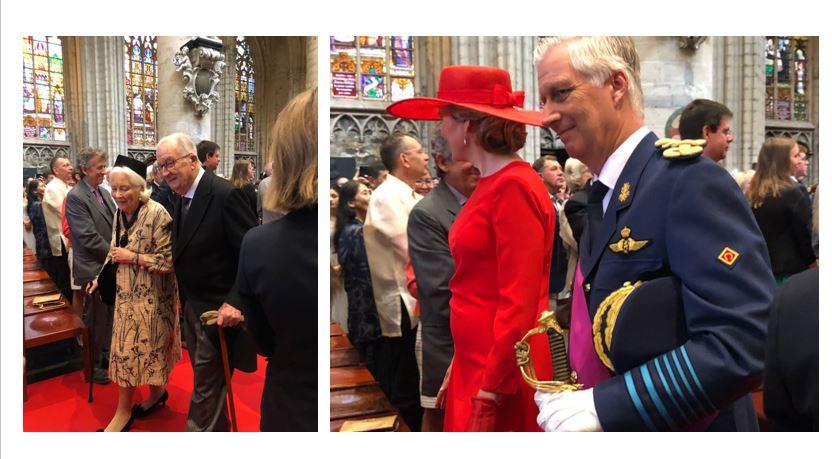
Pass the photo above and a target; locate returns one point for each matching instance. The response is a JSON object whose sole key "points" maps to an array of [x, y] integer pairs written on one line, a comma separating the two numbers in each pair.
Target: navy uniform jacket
{"points": [[689, 210]]}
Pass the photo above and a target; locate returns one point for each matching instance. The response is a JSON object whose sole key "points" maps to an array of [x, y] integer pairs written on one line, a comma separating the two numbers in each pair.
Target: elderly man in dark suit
{"points": [[427, 238], [89, 212], [209, 222]]}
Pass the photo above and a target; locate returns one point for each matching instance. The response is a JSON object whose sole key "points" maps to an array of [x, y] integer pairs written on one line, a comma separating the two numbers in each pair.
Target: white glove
{"points": [[568, 411]]}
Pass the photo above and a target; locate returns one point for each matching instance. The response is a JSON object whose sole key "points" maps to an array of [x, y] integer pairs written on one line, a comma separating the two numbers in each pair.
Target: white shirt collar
{"points": [[618, 159], [460, 198], [192, 189]]}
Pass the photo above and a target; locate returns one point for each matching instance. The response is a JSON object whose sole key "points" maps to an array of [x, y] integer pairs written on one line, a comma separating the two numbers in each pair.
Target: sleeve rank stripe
{"points": [[701, 410], [676, 387], [696, 379], [668, 392], [631, 389], [654, 396]]}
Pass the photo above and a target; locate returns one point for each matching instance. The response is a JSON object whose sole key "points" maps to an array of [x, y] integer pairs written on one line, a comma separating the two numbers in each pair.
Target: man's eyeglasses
{"points": [[167, 166]]}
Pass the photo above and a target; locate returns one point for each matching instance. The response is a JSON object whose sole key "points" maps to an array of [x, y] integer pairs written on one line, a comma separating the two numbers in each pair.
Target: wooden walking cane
{"points": [[88, 305], [210, 318]]}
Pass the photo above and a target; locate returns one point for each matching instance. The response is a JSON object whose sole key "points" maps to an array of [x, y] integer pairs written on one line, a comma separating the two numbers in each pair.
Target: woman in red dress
{"points": [[502, 245]]}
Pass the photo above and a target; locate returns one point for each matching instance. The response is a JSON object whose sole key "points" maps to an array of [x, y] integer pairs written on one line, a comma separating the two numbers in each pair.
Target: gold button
{"points": [[586, 287]]}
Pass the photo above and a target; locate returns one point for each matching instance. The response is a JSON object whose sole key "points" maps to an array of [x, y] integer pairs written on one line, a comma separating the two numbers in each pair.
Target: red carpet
{"points": [[60, 404]]}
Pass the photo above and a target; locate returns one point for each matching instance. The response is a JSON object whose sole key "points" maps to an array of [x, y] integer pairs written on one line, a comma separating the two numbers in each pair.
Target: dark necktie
{"points": [[186, 205], [595, 209]]}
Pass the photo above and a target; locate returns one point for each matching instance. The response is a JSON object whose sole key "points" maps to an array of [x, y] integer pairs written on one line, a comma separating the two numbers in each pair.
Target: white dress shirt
{"points": [[615, 163], [53, 202], [385, 239]]}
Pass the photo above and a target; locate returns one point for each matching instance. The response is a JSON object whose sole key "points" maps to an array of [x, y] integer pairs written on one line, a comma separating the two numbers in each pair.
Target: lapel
{"points": [[591, 253], [446, 199], [199, 204], [93, 202]]}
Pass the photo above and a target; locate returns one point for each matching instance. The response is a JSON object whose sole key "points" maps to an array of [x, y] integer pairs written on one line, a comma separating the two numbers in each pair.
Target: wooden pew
{"points": [[353, 392]]}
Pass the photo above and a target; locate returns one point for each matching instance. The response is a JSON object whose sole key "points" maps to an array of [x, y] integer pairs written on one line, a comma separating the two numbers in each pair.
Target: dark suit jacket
{"points": [[689, 210], [251, 196], [791, 386], [427, 240], [786, 224], [278, 286], [91, 229], [163, 195], [206, 247], [575, 210]]}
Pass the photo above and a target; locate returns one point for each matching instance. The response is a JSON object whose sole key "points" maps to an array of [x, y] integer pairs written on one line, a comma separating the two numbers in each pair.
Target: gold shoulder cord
{"points": [[686, 148], [521, 349], [609, 309]]}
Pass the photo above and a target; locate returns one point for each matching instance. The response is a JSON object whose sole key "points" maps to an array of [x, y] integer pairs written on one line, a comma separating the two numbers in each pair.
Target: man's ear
{"points": [[620, 85], [706, 131], [441, 162]]}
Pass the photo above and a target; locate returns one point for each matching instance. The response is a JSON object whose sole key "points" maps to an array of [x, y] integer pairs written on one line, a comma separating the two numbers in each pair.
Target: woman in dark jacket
{"points": [[362, 319], [277, 277], [34, 194], [241, 176], [781, 209]]}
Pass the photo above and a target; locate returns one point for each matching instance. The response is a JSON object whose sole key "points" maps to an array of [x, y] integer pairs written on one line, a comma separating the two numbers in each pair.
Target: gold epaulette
{"points": [[679, 149], [606, 316]]}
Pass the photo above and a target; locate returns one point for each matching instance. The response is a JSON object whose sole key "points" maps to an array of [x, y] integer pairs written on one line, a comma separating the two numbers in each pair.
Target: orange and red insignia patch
{"points": [[728, 256]]}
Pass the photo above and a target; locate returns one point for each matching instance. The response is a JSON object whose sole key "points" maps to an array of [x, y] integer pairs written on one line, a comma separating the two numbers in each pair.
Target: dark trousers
{"points": [[58, 270], [398, 373], [207, 409]]}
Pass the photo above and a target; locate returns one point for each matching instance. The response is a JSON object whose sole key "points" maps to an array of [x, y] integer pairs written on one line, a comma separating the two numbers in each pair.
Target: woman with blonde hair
{"points": [[781, 209], [241, 176], [501, 243], [145, 343], [278, 272]]}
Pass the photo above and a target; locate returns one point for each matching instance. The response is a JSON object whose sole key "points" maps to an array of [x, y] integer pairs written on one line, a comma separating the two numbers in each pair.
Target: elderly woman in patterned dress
{"points": [[145, 343]]}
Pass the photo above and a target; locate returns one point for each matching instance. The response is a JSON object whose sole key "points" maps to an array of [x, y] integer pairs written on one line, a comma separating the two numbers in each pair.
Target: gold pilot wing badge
{"points": [[627, 244], [625, 192]]}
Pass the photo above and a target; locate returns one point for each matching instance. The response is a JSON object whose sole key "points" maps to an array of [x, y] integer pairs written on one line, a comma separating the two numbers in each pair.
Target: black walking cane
{"points": [[210, 318]]}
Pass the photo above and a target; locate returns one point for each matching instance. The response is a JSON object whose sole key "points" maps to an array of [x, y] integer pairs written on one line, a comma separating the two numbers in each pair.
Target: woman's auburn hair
{"points": [[294, 155], [495, 135]]}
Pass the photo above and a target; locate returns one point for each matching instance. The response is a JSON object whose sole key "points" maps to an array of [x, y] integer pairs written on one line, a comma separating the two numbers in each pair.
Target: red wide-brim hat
{"points": [[481, 89]]}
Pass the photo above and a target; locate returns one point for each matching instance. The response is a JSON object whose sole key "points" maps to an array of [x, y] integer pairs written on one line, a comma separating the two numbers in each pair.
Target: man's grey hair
{"points": [[438, 144], [596, 57], [181, 142], [85, 157]]}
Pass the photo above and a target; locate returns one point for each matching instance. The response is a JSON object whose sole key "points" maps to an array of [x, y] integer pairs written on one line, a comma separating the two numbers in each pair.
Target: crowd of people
{"points": [[441, 286], [153, 256]]}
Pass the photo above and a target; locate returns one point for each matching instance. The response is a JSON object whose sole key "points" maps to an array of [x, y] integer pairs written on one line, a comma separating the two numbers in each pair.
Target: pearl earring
{"points": [[465, 140]]}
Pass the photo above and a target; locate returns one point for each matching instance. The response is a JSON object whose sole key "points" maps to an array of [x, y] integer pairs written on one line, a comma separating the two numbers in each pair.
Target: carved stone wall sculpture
{"points": [[202, 65]]}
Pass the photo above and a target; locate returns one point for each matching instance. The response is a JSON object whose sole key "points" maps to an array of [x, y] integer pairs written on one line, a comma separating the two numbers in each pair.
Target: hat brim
{"points": [[427, 108]]}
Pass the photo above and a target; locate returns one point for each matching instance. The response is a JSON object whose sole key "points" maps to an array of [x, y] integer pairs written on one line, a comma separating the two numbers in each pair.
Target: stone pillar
{"points": [[222, 115], [312, 63], [175, 113], [739, 83], [94, 73]]}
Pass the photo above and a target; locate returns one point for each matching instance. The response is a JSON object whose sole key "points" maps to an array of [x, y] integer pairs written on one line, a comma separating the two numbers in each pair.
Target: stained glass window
{"points": [[372, 67], [43, 89], [244, 98], [141, 91], [786, 78]]}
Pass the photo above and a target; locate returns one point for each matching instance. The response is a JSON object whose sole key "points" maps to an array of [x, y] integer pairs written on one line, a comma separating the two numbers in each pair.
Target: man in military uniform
{"points": [[654, 211]]}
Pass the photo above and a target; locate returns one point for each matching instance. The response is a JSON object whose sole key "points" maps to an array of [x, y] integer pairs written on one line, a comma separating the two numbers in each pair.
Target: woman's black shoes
{"points": [[127, 426], [139, 412]]}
